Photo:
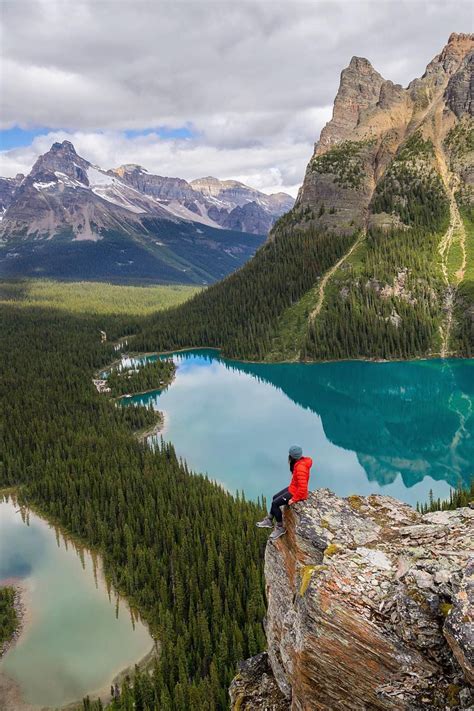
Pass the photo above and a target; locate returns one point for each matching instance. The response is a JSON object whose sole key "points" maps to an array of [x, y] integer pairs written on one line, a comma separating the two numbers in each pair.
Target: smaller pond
{"points": [[78, 634]]}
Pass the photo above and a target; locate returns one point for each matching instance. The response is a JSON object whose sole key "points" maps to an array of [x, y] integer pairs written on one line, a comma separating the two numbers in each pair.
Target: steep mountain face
{"points": [[7, 190], [217, 203], [370, 606], [391, 184], [71, 219], [372, 118]]}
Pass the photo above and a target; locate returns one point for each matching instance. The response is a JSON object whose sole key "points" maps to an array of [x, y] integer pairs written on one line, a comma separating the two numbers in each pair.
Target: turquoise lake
{"points": [[400, 429]]}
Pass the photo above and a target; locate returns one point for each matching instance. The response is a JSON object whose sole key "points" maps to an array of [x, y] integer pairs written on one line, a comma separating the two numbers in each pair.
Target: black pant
{"points": [[279, 499]]}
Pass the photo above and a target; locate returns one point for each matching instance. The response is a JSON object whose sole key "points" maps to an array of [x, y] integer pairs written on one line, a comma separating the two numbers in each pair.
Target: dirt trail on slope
{"points": [[455, 230], [323, 283]]}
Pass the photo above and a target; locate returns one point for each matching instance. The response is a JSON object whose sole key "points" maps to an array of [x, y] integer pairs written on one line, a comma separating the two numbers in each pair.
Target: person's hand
{"points": [[290, 502]]}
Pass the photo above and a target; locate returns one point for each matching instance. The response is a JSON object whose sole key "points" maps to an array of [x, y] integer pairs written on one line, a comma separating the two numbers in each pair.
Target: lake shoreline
{"points": [[138, 354], [101, 389], [10, 690], [21, 611]]}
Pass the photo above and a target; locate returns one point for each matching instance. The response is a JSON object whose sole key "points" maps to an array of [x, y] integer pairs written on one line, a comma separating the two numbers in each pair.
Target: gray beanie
{"points": [[295, 452]]}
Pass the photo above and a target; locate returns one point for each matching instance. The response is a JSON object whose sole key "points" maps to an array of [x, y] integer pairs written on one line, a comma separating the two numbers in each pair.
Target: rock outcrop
{"points": [[372, 118], [370, 606]]}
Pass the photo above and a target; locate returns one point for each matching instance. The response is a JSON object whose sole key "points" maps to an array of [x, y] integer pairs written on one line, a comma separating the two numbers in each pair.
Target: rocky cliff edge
{"points": [[370, 606]]}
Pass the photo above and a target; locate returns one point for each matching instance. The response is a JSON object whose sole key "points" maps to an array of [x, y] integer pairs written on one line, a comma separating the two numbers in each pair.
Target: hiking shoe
{"points": [[277, 532], [266, 523]]}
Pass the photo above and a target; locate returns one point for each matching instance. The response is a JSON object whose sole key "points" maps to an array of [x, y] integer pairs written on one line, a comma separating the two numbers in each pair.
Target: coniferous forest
{"points": [[240, 313], [150, 376], [182, 550]]}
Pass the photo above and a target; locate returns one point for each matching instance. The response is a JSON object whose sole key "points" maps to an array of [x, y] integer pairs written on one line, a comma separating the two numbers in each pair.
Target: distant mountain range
{"points": [[69, 218]]}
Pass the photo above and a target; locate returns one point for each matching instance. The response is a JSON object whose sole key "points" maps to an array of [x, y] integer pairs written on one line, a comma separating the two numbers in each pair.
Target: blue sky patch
{"points": [[17, 137]]}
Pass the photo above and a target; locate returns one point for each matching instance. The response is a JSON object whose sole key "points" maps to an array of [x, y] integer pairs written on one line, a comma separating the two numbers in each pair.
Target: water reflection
{"points": [[73, 640], [404, 425]]}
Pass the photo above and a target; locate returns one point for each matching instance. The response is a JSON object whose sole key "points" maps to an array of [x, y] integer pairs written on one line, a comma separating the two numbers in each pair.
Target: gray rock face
{"points": [[459, 624], [7, 190], [370, 605], [155, 185], [255, 687], [218, 203], [359, 90], [460, 90], [65, 194]]}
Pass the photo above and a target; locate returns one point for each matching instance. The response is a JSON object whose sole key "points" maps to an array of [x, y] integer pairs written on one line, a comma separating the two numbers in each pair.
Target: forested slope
{"points": [[184, 551], [240, 314]]}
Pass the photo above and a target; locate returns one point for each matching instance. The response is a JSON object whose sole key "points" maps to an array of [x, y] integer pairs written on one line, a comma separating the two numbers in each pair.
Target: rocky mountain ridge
{"points": [[370, 606], [226, 204], [142, 225], [178, 199]]}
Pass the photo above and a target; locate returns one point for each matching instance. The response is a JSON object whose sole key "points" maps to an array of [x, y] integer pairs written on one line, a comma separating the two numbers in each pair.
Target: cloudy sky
{"points": [[191, 88]]}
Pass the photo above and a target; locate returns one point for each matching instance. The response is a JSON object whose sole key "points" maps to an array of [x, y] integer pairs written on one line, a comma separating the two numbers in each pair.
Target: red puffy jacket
{"points": [[299, 481]]}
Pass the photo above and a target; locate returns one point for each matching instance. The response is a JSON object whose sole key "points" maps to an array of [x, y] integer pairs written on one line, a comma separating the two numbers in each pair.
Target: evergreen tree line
{"points": [[461, 496], [463, 326], [361, 318], [240, 313], [184, 551], [8, 616], [150, 376]]}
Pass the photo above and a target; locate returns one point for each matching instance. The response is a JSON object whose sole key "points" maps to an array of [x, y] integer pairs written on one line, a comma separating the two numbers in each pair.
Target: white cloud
{"points": [[254, 78]]}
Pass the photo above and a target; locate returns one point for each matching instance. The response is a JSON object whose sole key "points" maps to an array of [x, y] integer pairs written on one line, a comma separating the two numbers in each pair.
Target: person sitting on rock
{"points": [[300, 468]]}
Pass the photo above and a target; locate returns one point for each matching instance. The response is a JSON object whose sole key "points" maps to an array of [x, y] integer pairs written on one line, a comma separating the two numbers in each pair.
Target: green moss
{"points": [[355, 502], [452, 695], [445, 608], [307, 574], [332, 549], [324, 523]]}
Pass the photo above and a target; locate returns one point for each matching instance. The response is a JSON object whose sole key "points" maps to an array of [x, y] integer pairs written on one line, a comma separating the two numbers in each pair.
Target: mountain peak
{"points": [[65, 146], [126, 167], [62, 157], [361, 64], [460, 38], [449, 60]]}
